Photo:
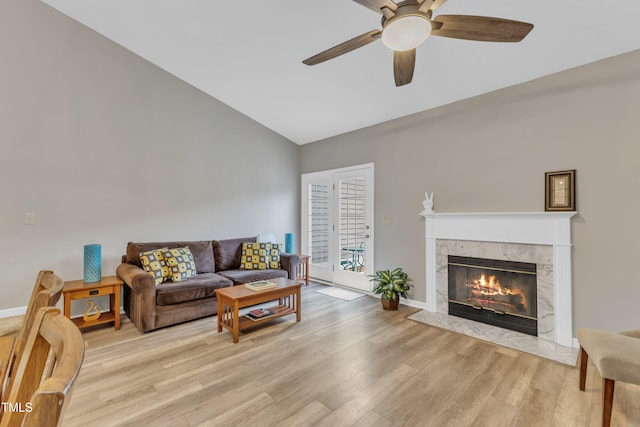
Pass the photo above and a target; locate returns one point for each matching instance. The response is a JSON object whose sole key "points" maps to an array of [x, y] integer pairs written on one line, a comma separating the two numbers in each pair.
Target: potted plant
{"points": [[392, 285]]}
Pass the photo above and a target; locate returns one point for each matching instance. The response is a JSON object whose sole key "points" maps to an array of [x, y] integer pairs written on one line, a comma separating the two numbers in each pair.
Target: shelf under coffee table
{"points": [[232, 299]]}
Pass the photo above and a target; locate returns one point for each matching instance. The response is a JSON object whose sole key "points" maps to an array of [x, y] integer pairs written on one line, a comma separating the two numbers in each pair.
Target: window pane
{"points": [[319, 224], [352, 223]]}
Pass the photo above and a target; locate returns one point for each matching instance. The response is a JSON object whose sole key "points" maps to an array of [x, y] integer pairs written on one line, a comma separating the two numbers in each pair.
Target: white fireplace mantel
{"points": [[541, 228]]}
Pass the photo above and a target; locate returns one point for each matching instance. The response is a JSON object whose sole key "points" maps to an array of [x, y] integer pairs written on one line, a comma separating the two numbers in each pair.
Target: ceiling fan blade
{"points": [[343, 48], [435, 3], [481, 28], [430, 5], [377, 5], [404, 63]]}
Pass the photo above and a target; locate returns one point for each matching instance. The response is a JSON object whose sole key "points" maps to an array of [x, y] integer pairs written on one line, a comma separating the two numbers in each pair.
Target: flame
{"points": [[489, 286]]}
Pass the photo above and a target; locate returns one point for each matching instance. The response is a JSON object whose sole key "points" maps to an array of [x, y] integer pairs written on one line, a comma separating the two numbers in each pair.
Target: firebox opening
{"points": [[496, 292]]}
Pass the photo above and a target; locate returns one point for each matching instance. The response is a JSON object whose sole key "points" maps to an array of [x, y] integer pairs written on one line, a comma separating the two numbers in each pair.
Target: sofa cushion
{"points": [[202, 252], [154, 263], [202, 286], [273, 255], [246, 276], [180, 262], [229, 252], [254, 256]]}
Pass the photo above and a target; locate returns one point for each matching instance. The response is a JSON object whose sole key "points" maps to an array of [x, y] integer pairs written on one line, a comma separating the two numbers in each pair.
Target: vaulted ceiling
{"points": [[248, 54]]}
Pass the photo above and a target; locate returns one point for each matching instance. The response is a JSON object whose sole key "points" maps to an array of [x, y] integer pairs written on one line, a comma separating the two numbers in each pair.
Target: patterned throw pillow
{"points": [[181, 264], [274, 255], [154, 263], [254, 256]]}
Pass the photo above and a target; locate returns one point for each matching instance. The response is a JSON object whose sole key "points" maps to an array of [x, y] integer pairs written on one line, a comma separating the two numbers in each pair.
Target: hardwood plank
{"points": [[572, 408], [518, 380], [632, 410], [538, 410], [354, 409], [372, 418], [345, 363], [153, 413], [306, 415], [487, 416], [237, 412], [475, 394], [549, 377]]}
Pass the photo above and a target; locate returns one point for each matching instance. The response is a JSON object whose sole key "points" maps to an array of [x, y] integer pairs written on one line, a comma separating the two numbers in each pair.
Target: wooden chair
{"points": [[616, 357], [43, 378], [46, 293]]}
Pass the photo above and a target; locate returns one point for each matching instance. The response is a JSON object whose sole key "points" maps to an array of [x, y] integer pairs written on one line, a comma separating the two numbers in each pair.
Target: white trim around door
{"points": [[337, 225]]}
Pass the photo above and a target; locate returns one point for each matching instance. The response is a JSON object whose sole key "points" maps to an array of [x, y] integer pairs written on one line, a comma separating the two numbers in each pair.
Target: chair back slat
{"points": [[46, 293], [46, 372]]}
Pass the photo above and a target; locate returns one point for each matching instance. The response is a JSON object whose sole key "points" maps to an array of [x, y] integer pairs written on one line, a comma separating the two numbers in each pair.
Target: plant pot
{"points": [[389, 304]]}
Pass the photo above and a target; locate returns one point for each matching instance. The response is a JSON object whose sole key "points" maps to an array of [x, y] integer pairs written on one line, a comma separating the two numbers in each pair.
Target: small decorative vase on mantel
{"points": [[392, 285]]}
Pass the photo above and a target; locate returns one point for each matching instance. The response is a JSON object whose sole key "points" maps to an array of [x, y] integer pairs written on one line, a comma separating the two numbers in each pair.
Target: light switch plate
{"points": [[29, 218]]}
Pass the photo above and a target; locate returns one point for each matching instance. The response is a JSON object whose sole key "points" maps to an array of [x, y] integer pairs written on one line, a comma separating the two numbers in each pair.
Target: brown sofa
{"points": [[218, 265]]}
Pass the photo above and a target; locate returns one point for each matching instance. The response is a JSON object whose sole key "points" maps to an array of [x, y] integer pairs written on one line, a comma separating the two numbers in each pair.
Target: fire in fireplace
{"points": [[496, 292]]}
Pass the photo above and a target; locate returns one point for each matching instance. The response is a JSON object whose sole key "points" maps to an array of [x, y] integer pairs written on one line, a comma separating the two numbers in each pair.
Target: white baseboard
{"points": [[320, 281], [13, 312], [414, 303], [409, 302]]}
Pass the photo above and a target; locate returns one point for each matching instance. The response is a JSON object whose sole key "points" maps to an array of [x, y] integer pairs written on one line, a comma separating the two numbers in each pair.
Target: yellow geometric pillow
{"points": [[273, 255], [181, 264], [154, 263], [254, 256]]}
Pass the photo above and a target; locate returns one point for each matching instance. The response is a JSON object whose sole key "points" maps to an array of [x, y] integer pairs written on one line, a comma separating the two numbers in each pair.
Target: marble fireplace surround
{"points": [[541, 255], [543, 238]]}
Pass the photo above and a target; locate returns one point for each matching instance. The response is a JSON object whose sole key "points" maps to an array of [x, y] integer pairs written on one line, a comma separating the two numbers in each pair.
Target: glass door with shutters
{"points": [[337, 225], [318, 222]]}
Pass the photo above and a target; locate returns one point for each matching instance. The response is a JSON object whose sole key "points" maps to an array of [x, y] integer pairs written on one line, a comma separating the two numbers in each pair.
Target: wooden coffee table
{"points": [[232, 299]]}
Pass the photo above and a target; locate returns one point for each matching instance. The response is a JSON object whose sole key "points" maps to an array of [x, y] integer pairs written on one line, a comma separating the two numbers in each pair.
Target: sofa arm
{"points": [[290, 263], [140, 296], [136, 278]]}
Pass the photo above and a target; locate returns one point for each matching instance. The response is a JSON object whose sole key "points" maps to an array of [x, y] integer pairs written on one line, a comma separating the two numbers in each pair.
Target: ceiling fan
{"points": [[407, 24]]}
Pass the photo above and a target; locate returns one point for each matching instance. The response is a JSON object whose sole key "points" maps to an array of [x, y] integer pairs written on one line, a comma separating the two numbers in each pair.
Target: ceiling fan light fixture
{"points": [[406, 32]]}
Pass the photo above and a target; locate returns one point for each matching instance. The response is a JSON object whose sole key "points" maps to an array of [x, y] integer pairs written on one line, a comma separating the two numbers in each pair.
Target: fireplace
{"points": [[543, 238], [497, 292]]}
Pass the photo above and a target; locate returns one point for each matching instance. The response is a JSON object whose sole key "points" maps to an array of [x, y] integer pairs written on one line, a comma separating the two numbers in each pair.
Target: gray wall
{"points": [[106, 148], [490, 153]]}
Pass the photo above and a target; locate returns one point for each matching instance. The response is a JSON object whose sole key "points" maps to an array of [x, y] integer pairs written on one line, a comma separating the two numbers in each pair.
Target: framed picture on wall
{"points": [[560, 191]]}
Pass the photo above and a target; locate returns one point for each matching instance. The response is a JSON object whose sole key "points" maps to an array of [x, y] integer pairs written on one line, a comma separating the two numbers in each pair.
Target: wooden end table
{"points": [[233, 298], [302, 272], [77, 289]]}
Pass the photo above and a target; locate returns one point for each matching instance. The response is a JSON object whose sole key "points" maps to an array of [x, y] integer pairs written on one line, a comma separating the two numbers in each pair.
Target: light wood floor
{"points": [[344, 364]]}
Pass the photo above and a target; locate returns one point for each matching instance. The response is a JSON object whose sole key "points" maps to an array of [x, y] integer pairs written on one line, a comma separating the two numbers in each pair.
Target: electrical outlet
{"points": [[29, 218]]}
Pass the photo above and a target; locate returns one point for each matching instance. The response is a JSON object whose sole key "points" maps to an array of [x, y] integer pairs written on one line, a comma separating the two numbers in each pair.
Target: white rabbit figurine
{"points": [[428, 202]]}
